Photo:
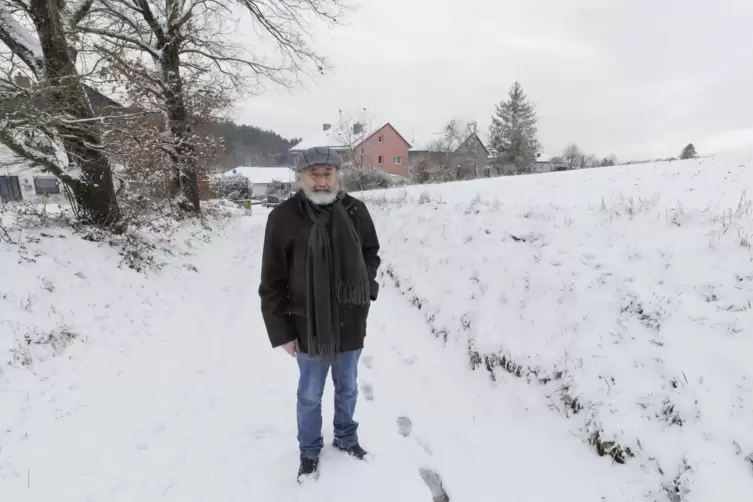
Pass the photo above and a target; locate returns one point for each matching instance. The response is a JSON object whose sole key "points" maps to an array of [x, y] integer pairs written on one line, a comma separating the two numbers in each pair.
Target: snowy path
{"points": [[199, 408]]}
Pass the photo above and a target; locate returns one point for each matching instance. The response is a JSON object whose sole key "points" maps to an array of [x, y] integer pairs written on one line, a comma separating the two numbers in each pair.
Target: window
{"points": [[46, 186], [10, 189], [398, 160], [380, 160], [381, 140]]}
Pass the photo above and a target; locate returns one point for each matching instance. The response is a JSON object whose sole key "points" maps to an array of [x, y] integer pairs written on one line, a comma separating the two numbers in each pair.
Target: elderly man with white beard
{"points": [[318, 279]]}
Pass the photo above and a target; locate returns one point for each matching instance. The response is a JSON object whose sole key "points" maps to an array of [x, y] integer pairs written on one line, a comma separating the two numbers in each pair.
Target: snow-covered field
{"points": [[629, 315], [623, 294], [160, 385]]}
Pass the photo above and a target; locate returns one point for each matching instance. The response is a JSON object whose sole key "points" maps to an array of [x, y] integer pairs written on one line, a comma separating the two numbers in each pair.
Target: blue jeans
{"points": [[313, 375]]}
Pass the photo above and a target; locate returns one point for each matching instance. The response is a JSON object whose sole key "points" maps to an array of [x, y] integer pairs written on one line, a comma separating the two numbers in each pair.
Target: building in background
{"points": [[21, 181], [266, 179], [383, 148], [469, 158]]}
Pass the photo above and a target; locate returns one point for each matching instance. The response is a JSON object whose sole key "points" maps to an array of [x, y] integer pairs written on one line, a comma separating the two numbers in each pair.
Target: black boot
{"points": [[309, 467], [354, 451]]}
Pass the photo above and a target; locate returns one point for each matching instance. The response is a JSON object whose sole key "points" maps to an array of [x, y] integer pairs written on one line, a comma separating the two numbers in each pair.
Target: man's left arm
{"points": [[370, 246]]}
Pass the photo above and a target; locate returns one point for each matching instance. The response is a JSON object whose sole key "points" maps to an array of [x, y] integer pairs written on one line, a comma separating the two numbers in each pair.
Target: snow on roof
{"points": [[329, 138], [320, 138], [544, 157], [261, 175], [423, 144]]}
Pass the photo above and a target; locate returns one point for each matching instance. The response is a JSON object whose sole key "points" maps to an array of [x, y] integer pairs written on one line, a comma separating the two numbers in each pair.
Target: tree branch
{"points": [[22, 43]]}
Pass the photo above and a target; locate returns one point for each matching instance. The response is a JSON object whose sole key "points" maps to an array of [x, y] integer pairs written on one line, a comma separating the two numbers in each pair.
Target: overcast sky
{"points": [[637, 78]]}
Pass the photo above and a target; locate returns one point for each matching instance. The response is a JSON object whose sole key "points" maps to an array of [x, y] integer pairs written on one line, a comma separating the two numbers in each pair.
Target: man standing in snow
{"points": [[318, 280]]}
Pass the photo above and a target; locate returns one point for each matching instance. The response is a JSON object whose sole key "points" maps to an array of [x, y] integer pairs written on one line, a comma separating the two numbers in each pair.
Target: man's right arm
{"points": [[273, 289]]}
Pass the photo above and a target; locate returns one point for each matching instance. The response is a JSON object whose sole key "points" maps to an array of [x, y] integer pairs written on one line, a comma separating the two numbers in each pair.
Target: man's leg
{"points": [[313, 375], [344, 377]]}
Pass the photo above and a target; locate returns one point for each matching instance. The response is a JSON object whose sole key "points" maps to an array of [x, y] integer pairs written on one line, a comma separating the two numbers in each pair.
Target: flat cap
{"points": [[318, 156]]}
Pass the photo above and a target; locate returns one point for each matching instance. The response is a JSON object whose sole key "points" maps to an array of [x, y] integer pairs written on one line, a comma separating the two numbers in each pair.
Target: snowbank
{"points": [[623, 293], [51, 273]]}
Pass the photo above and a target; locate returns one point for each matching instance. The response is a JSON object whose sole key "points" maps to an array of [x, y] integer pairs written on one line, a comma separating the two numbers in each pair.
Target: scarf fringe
{"points": [[327, 353], [356, 292]]}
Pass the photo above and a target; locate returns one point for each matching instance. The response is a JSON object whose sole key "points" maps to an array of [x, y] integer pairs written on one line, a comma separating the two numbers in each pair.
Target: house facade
{"points": [[20, 181], [385, 148], [469, 159]]}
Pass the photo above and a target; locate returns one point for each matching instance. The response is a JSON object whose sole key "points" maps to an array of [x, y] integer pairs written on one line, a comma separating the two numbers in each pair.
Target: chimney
{"points": [[326, 127], [357, 128]]}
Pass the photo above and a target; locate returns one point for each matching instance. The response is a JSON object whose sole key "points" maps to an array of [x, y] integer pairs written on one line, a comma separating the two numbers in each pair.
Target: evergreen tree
{"points": [[689, 152], [513, 132]]}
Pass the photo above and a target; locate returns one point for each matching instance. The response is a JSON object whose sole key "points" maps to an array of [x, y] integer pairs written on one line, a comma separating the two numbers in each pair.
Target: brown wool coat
{"points": [[283, 274]]}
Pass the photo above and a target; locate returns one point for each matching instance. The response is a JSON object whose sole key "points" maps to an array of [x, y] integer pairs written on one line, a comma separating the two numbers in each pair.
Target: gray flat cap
{"points": [[318, 156]]}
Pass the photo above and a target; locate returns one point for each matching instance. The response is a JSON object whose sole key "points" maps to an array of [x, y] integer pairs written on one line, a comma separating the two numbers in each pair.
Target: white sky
{"points": [[637, 78]]}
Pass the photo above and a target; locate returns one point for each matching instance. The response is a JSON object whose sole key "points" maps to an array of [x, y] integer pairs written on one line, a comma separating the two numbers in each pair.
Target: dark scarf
{"points": [[335, 274]]}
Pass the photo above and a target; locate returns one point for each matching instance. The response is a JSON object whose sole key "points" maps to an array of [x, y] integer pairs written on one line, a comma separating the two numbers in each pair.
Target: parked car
{"points": [[270, 201]]}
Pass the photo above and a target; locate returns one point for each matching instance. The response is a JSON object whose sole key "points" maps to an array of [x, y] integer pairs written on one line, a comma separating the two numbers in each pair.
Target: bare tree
{"points": [[573, 156], [359, 170], [162, 45], [48, 120], [592, 161], [349, 135], [453, 156]]}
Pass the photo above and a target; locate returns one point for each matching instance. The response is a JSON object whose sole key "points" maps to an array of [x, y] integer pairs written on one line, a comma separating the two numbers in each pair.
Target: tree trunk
{"points": [[184, 177], [93, 189]]}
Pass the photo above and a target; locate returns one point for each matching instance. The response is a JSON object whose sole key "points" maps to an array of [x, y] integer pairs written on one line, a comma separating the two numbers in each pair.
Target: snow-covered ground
{"points": [[121, 385], [623, 294]]}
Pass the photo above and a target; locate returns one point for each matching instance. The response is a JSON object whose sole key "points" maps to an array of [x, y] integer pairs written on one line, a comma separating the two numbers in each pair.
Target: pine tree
{"points": [[689, 152], [513, 132]]}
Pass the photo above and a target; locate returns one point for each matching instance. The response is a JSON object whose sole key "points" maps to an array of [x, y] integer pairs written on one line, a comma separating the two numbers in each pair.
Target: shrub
{"points": [[364, 178], [233, 187]]}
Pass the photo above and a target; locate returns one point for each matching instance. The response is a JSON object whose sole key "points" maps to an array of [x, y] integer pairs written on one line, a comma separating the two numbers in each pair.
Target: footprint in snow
{"points": [[434, 482], [368, 391], [404, 426], [367, 360]]}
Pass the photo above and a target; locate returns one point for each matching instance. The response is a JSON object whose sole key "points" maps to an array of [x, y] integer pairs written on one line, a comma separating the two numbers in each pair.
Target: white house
{"points": [[262, 177], [19, 181]]}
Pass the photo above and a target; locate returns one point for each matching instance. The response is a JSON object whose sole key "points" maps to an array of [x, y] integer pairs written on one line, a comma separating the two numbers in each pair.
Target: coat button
{"points": [[342, 324]]}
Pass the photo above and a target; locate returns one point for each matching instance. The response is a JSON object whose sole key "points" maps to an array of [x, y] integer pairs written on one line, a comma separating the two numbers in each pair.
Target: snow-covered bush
{"points": [[364, 178], [232, 187]]}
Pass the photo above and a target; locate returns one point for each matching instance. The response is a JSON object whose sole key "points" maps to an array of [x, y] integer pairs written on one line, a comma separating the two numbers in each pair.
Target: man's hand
{"points": [[291, 347]]}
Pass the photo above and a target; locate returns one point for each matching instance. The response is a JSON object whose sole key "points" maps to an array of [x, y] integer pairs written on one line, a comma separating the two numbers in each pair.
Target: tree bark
{"points": [[93, 190], [182, 156]]}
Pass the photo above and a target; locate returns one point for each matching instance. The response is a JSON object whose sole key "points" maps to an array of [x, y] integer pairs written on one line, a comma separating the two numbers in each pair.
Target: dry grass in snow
{"points": [[623, 293]]}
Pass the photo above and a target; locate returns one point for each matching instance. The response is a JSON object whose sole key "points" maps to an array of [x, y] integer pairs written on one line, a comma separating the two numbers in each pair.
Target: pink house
{"points": [[384, 149]]}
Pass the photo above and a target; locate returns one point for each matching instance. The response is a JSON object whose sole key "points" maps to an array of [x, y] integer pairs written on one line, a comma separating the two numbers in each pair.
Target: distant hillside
{"points": [[250, 146]]}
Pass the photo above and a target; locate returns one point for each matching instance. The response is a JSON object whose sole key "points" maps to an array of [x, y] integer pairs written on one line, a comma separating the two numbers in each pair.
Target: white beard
{"points": [[321, 198]]}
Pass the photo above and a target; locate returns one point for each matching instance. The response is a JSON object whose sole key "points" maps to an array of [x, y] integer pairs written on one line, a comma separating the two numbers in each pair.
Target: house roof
{"points": [[321, 138], [263, 175], [479, 142], [391, 127], [426, 144], [329, 139]]}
